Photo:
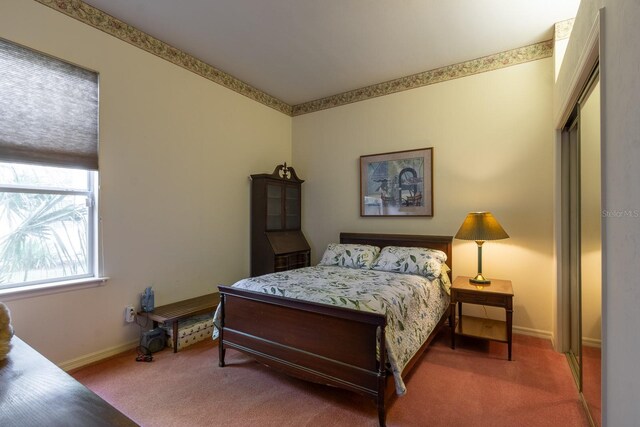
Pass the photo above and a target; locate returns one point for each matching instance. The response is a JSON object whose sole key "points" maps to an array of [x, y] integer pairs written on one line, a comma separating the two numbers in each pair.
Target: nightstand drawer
{"points": [[483, 299]]}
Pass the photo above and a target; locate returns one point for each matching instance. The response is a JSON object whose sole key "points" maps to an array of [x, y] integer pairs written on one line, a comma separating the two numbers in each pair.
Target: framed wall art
{"points": [[397, 184]]}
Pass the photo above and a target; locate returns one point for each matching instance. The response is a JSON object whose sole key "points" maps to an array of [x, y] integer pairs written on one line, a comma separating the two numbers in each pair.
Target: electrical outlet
{"points": [[129, 314]]}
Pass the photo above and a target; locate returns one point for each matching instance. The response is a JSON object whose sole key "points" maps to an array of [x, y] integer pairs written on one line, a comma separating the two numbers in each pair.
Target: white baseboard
{"points": [[533, 333], [592, 342], [87, 359]]}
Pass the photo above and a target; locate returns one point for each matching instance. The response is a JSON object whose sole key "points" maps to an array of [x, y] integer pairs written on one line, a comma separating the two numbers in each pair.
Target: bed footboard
{"points": [[315, 342]]}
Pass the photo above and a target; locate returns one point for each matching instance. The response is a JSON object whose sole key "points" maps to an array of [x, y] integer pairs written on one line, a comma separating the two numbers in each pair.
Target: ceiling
{"points": [[302, 50]]}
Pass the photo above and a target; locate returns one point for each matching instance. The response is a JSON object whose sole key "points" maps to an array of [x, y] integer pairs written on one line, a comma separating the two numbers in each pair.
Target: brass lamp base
{"points": [[480, 279]]}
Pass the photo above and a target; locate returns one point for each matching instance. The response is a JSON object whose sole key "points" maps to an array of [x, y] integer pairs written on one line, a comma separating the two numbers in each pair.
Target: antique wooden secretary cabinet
{"points": [[277, 242]]}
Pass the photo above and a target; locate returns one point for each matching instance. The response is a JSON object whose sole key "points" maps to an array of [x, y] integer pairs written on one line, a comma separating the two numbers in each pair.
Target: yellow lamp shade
{"points": [[480, 226]]}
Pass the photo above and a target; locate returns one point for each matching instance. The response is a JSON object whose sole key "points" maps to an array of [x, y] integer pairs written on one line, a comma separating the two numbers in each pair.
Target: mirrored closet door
{"points": [[582, 245], [591, 251]]}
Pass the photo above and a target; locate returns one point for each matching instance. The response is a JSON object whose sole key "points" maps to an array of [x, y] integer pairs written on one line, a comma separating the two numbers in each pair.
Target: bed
{"points": [[326, 344]]}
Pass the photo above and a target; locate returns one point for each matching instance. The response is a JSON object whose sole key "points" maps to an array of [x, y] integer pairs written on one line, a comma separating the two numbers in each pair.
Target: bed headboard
{"points": [[442, 243]]}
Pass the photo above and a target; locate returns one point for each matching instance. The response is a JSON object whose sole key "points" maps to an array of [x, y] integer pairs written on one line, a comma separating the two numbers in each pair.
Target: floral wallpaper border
{"points": [[96, 18], [563, 29], [488, 63]]}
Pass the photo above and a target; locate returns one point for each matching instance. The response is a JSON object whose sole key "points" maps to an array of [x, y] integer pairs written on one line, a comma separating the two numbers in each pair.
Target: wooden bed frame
{"points": [[317, 342]]}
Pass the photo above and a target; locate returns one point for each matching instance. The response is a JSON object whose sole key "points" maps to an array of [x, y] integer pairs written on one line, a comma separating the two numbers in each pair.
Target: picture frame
{"points": [[399, 183]]}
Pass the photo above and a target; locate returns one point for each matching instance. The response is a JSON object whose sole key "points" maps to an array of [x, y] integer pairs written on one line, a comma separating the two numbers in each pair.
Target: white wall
{"points": [[620, 89], [176, 151], [573, 55], [492, 135]]}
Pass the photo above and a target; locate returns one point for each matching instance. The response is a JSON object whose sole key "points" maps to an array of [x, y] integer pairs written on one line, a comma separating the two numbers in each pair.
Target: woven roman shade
{"points": [[48, 110]]}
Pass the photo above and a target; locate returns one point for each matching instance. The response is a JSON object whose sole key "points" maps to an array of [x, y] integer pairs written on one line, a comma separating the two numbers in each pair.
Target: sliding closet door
{"points": [[571, 194], [582, 244], [591, 250]]}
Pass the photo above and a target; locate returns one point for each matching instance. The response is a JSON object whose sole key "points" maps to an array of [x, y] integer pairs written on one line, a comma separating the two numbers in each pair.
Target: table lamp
{"points": [[480, 226]]}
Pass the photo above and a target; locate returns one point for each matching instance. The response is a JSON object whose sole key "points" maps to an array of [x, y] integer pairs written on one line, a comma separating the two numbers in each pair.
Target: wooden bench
{"points": [[174, 312]]}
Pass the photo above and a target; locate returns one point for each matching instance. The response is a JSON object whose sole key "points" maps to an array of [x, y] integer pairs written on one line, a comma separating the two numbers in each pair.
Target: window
{"points": [[48, 170], [47, 224]]}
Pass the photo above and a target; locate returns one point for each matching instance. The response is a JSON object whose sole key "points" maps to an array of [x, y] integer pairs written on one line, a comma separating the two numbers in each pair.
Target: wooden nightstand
{"points": [[499, 293]]}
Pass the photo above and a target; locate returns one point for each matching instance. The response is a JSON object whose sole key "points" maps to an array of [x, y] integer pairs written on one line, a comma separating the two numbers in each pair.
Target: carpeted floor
{"points": [[473, 385], [592, 381]]}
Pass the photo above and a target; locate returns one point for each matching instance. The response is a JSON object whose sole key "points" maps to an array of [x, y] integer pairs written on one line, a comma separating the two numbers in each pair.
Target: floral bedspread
{"points": [[413, 304]]}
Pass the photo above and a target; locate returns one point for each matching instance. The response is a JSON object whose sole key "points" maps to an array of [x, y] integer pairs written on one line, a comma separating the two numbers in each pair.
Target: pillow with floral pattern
{"points": [[350, 255], [420, 261], [445, 282]]}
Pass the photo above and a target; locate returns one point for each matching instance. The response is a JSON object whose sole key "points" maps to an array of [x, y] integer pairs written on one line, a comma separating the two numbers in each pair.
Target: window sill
{"points": [[50, 288]]}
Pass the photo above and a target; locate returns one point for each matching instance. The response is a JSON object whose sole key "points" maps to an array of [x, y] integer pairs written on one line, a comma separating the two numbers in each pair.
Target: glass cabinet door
{"points": [[292, 207], [274, 207]]}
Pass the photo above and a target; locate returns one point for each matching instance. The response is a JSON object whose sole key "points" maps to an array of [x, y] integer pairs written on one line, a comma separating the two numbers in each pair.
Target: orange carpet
{"points": [[473, 385]]}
